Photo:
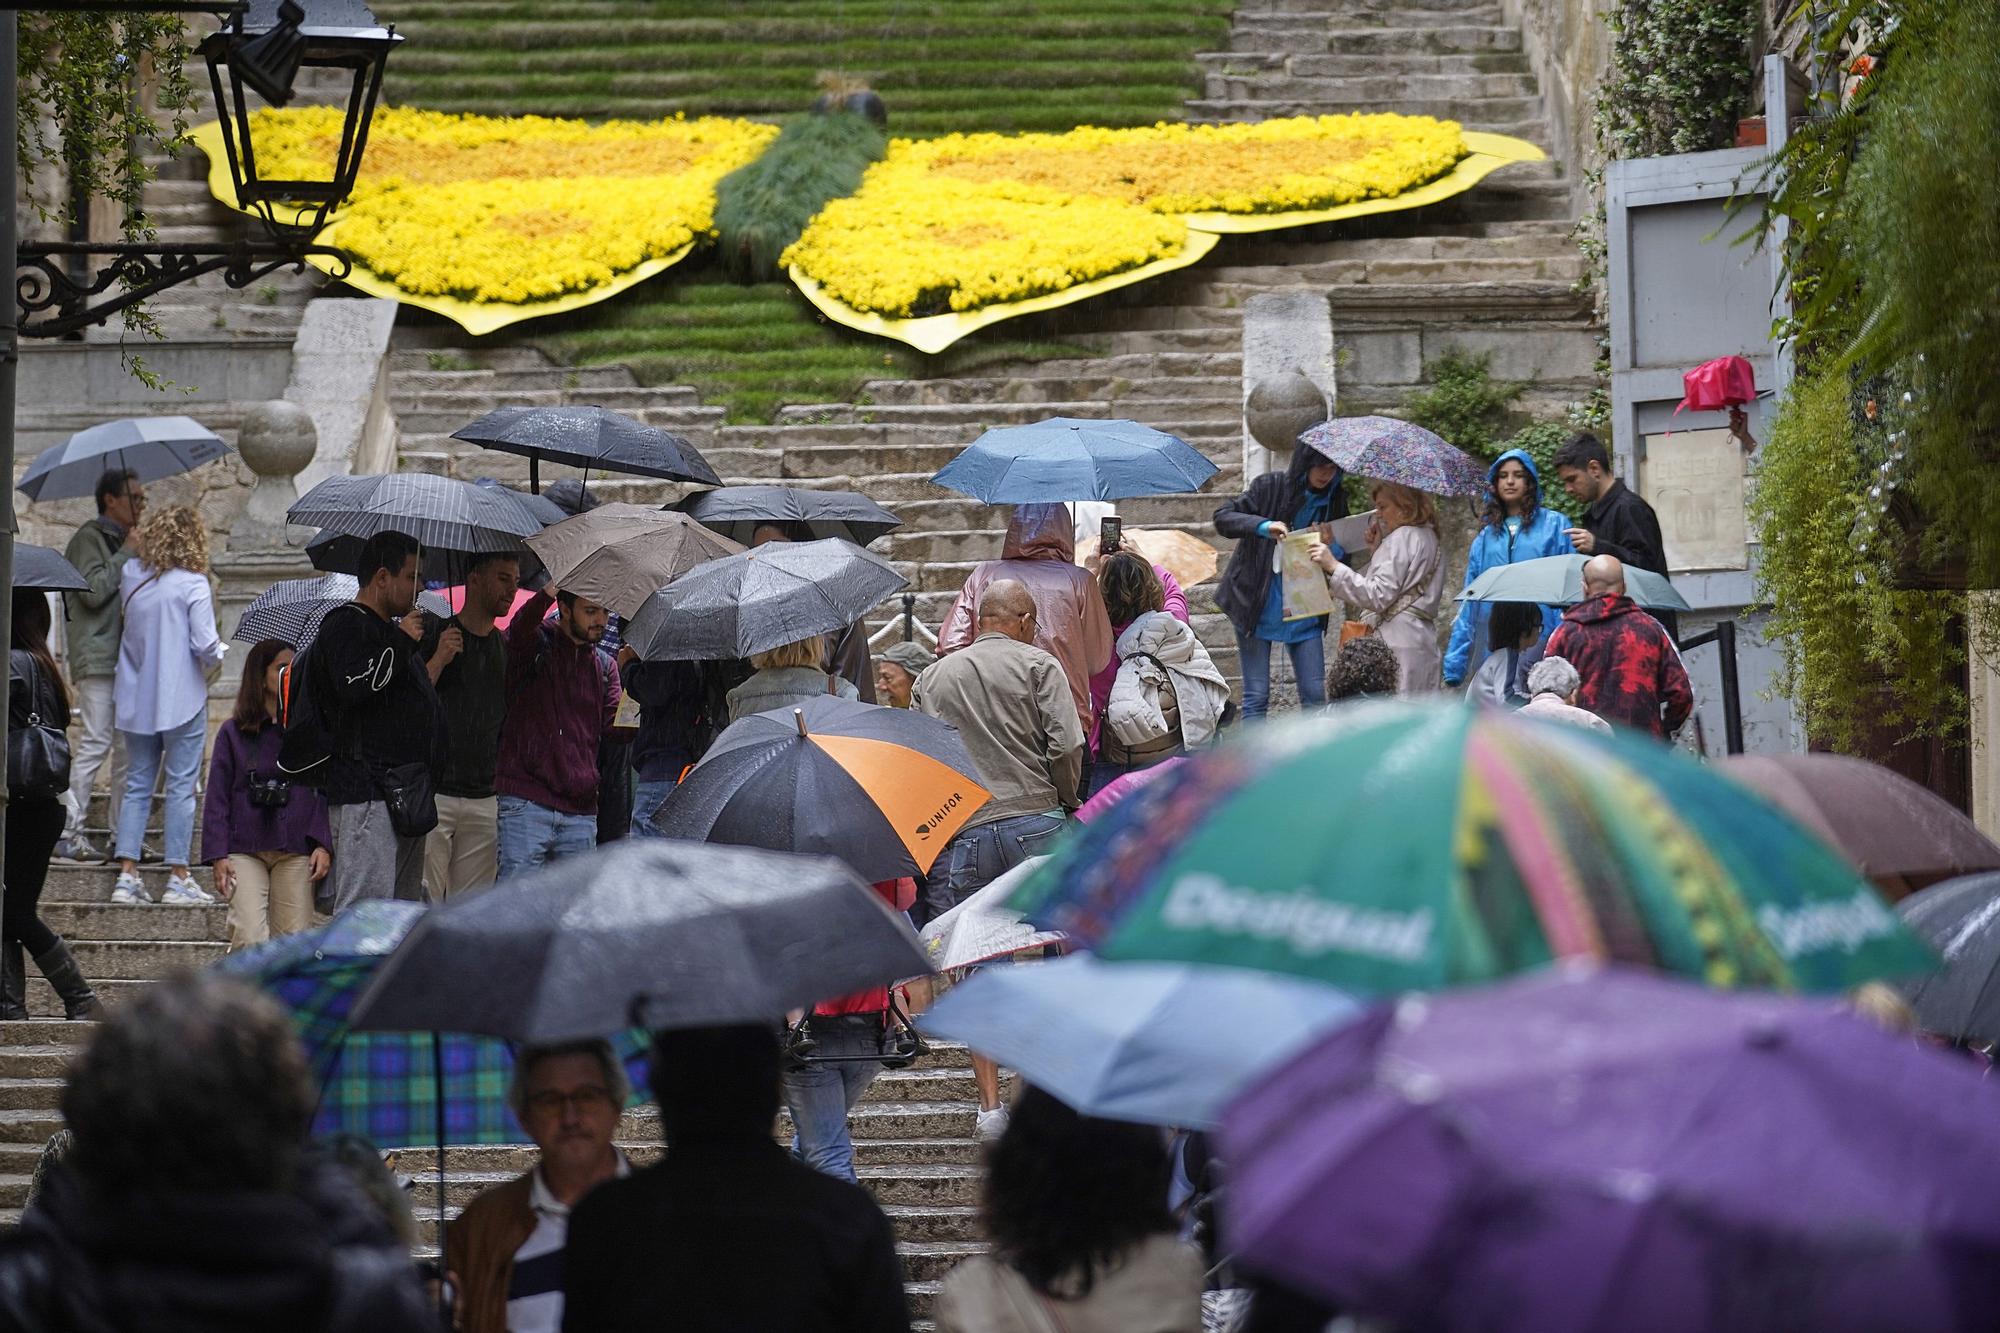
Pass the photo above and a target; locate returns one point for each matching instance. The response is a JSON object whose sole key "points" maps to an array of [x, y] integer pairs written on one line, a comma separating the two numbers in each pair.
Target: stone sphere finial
{"points": [[276, 440], [1280, 408]]}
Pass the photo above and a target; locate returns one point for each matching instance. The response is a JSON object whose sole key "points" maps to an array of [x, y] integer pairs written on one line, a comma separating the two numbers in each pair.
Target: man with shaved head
{"points": [[1632, 674], [1012, 706]]}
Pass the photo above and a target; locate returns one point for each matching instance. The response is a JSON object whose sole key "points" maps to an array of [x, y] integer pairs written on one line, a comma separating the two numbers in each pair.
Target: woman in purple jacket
{"points": [[267, 838]]}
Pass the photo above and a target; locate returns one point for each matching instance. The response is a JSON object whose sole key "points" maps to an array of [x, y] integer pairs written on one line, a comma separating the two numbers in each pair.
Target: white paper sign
{"points": [[1694, 481]]}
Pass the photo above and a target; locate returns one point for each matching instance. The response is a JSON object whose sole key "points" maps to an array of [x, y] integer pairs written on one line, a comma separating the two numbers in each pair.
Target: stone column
{"points": [[1287, 337], [277, 439]]}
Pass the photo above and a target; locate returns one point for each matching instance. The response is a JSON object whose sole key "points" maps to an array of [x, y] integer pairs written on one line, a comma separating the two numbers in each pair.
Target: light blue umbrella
{"points": [[1157, 1043], [153, 447], [1557, 580], [1070, 458]]}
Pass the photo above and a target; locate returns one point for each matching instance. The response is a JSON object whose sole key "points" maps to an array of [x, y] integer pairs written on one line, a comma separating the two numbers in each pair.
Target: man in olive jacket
{"points": [[99, 551]]}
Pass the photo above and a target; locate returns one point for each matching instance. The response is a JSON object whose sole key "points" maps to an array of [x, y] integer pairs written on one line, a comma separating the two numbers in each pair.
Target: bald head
{"points": [[1604, 574], [1006, 608]]}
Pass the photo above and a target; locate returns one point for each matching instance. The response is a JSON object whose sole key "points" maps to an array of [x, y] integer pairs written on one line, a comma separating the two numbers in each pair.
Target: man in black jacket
{"points": [[1617, 521], [728, 1233], [386, 729]]}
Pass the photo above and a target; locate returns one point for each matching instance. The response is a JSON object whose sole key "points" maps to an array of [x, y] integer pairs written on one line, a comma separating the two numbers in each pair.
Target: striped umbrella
{"points": [[1409, 847], [291, 610], [436, 511], [1386, 449]]}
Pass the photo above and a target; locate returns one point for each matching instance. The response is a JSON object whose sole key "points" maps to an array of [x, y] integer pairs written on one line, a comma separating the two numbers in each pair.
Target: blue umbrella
{"points": [[1158, 1043], [1068, 458], [1557, 580], [153, 447]]}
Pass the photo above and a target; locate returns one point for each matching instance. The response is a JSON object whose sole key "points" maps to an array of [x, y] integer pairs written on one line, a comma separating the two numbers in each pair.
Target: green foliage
{"points": [[1680, 75], [1465, 404], [761, 208], [966, 65], [1858, 652], [1539, 441]]}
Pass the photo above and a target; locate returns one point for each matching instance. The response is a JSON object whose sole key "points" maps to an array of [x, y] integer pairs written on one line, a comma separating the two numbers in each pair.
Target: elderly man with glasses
{"points": [[505, 1254]]}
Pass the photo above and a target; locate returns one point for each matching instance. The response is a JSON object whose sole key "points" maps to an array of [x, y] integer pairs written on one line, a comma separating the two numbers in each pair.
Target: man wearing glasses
{"points": [[504, 1254], [99, 551]]}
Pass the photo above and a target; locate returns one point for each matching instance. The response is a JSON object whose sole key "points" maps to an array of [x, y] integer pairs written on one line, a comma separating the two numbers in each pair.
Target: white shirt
{"points": [[539, 1309], [168, 646]]}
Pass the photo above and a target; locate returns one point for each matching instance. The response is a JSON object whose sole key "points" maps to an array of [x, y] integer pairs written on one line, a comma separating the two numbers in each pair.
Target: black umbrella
{"points": [[738, 511], [338, 553], [588, 437], [647, 932], [777, 594], [883, 789], [45, 569], [1960, 918]]}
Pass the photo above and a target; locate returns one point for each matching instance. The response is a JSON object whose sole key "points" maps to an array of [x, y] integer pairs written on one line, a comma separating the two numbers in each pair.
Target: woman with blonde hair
{"points": [[1401, 590], [168, 652], [787, 676]]}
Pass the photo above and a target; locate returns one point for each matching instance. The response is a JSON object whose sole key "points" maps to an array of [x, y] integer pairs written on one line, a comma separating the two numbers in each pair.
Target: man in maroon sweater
{"points": [[562, 694], [1632, 673]]}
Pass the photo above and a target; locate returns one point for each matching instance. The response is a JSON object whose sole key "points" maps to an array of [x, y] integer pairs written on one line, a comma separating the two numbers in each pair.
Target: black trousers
{"points": [[614, 790], [33, 827]]}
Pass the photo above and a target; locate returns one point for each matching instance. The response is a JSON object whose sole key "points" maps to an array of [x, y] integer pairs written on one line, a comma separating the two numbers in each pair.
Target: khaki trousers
{"points": [[462, 853], [273, 896]]}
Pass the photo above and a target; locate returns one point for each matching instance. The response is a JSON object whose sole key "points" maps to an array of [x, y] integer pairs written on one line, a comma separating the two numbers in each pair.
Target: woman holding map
{"points": [[1401, 590]]}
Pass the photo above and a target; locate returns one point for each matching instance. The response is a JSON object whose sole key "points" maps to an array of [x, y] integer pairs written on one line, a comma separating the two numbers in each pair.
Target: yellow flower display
{"points": [[971, 220], [518, 210]]}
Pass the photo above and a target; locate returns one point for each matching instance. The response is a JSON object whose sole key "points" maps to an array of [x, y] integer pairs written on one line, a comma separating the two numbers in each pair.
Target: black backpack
{"points": [[308, 742]]}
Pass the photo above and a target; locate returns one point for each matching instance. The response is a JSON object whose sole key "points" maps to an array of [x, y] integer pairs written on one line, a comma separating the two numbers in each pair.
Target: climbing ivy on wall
{"points": [[1681, 72]]}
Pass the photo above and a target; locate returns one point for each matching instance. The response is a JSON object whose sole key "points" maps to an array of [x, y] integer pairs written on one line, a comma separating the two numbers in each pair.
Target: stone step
{"points": [[77, 921], [1343, 90], [475, 401], [688, 419], [938, 1186], [69, 883], [1194, 420], [1404, 64], [1301, 33], [434, 371]]}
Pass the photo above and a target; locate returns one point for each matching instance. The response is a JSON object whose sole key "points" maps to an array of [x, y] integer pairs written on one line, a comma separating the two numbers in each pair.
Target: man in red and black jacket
{"points": [[1632, 674]]}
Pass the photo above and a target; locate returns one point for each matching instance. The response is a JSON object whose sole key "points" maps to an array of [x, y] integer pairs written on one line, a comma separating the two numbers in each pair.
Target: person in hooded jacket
{"points": [[1276, 504], [1070, 621], [1518, 527]]}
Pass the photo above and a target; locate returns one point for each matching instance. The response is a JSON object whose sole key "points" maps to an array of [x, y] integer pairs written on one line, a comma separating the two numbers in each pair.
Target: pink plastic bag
{"points": [[1714, 385]]}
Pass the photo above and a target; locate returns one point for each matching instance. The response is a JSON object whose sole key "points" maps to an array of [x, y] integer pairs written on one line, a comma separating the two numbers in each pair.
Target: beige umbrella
{"points": [[621, 554], [1187, 557]]}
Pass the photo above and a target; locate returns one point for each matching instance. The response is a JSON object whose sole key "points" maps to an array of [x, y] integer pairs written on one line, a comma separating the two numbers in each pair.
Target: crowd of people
{"points": [[408, 755]]}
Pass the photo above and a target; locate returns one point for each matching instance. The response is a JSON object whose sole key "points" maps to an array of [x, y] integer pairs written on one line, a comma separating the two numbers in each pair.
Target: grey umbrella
{"points": [[761, 599], [620, 554], [437, 511], [738, 511], [153, 447], [588, 437], [1960, 918], [45, 569], [649, 932]]}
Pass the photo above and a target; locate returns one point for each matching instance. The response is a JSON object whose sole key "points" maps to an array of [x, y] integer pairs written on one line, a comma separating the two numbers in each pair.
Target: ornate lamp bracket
{"points": [[52, 301]]}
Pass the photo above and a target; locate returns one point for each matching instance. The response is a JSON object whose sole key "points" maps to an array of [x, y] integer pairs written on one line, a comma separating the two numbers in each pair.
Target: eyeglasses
{"points": [[551, 1103]]}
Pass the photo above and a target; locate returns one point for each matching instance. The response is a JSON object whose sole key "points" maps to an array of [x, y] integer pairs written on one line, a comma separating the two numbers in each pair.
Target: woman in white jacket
{"points": [[1168, 698], [1403, 586]]}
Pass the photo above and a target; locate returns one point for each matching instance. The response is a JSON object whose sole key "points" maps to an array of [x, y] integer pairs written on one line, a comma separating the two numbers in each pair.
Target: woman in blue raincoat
{"points": [[1517, 528]]}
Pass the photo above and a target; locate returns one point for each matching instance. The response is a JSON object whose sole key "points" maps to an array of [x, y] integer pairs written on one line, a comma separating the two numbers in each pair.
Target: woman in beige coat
{"points": [[1401, 589], [1082, 1240]]}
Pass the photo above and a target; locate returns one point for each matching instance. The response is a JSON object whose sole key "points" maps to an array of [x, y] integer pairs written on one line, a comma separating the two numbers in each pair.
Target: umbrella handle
{"points": [[799, 716]]}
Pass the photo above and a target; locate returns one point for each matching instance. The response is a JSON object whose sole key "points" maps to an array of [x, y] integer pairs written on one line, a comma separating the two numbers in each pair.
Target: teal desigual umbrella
{"points": [[1557, 580]]}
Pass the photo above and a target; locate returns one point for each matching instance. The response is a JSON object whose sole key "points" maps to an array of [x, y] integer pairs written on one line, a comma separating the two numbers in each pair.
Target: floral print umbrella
{"points": [[1390, 450]]}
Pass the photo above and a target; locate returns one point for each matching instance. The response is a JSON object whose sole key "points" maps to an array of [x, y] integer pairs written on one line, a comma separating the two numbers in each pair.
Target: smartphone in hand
{"points": [[1110, 531]]}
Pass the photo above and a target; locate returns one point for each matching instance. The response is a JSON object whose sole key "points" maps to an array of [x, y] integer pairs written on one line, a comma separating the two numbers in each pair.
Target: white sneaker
{"points": [[130, 890], [182, 891], [990, 1125]]}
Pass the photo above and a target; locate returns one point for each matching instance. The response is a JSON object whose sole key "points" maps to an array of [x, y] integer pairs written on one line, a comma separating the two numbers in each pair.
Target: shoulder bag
{"points": [[37, 753]]}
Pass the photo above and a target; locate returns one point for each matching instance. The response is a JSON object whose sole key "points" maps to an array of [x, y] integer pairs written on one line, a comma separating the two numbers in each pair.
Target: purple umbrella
{"points": [[1585, 1150], [1390, 450]]}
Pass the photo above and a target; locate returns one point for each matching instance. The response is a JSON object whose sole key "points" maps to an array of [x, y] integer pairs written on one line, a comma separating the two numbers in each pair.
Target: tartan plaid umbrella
{"points": [[387, 1086]]}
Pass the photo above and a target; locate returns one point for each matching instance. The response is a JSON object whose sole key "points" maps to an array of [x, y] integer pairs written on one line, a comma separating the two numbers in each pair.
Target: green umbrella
{"points": [[1557, 580], [1402, 847]]}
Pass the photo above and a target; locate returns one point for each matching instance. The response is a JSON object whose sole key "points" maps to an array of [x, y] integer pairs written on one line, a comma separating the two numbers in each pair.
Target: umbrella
{"points": [[1412, 846], [738, 511], [588, 437], [1961, 919], [651, 932], [1187, 557], [1880, 820], [46, 570], [338, 553], [983, 928], [883, 789], [1068, 458], [545, 510], [620, 554], [1557, 580], [291, 610], [436, 511], [777, 594], [153, 447], [1159, 1043], [1116, 790], [1583, 1150], [1386, 449]]}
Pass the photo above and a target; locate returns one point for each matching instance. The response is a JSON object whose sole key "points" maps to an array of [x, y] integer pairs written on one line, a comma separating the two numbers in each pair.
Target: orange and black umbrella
{"points": [[883, 789]]}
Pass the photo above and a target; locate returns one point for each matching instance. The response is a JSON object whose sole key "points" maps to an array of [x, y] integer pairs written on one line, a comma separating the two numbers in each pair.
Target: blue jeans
{"points": [[533, 835], [1308, 665], [980, 855], [181, 750], [646, 798], [819, 1096]]}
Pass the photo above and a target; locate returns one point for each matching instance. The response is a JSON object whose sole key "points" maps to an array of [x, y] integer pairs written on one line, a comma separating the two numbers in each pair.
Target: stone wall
{"points": [[1569, 45]]}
